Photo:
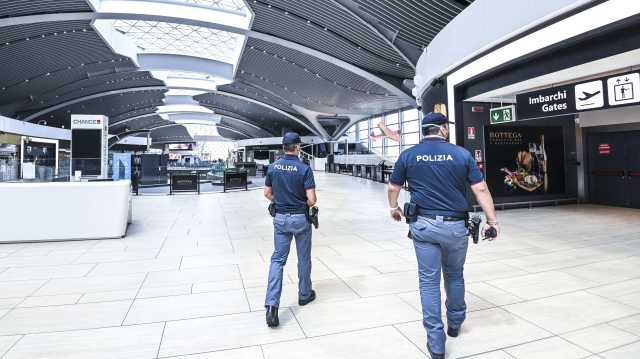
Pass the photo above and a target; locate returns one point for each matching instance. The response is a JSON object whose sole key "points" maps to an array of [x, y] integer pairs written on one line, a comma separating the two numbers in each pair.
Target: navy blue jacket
{"points": [[290, 178], [438, 174]]}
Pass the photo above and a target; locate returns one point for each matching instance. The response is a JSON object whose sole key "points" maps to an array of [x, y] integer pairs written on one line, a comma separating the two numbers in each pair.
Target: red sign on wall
{"points": [[471, 133], [478, 155], [604, 149]]}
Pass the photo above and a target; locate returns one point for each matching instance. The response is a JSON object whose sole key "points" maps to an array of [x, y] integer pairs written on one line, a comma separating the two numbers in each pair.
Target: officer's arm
{"points": [[311, 197], [483, 196], [268, 193], [392, 194]]}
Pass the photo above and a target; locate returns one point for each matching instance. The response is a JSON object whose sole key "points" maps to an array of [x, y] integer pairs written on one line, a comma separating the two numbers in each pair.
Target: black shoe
{"points": [[311, 298], [272, 317], [434, 355], [453, 332]]}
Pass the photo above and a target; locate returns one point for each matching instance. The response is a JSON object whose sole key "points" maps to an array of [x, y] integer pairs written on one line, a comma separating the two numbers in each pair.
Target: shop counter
{"points": [[57, 211]]}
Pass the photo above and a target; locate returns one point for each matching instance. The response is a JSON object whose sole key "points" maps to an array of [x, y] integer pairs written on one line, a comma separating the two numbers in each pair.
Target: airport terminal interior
{"points": [[138, 139]]}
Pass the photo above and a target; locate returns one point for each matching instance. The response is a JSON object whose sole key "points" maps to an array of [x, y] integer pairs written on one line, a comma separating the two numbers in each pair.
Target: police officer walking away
{"points": [[290, 187], [438, 174]]}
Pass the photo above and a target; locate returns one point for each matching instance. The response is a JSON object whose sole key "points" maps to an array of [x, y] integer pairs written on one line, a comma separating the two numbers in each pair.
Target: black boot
{"points": [[311, 298], [272, 317], [453, 332], [434, 355]]}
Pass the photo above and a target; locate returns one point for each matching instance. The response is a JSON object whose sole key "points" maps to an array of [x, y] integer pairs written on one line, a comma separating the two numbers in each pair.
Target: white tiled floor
{"points": [[189, 279]]}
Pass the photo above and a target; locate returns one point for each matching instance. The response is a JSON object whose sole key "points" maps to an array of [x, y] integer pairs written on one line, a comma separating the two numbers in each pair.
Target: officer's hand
{"points": [[486, 227], [397, 214]]}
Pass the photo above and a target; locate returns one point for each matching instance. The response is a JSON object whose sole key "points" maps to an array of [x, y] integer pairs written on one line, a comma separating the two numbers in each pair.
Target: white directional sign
{"points": [[624, 89], [589, 95]]}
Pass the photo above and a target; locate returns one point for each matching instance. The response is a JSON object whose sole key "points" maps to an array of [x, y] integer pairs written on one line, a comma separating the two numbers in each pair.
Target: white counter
{"points": [[33, 212]]}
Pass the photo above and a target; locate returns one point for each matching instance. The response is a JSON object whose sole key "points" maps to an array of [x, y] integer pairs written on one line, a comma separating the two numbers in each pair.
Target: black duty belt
{"points": [[445, 218]]}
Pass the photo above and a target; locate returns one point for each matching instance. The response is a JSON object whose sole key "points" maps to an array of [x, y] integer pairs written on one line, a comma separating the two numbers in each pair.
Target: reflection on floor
{"points": [[563, 282]]}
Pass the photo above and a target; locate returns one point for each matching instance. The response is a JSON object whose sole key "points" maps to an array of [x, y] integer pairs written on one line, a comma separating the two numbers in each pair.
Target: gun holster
{"points": [[473, 224], [272, 209], [410, 212], [313, 216]]}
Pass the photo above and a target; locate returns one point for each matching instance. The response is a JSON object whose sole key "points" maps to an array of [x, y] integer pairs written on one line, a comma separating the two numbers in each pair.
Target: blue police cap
{"points": [[434, 118], [291, 138]]}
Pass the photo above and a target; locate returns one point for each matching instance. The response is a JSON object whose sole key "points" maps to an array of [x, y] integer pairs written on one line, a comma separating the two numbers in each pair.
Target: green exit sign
{"points": [[502, 114]]}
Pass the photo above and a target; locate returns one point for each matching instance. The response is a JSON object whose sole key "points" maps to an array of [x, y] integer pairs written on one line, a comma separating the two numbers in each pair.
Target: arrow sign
{"points": [[502, 114]]}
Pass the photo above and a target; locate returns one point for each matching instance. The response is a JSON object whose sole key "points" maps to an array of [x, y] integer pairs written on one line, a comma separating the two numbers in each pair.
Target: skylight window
{"points": [[180, 39], [234, 5]]}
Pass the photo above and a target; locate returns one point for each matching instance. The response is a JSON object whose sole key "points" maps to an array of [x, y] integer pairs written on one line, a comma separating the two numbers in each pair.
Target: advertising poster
{"points": [[122, 166], [524, 160]]}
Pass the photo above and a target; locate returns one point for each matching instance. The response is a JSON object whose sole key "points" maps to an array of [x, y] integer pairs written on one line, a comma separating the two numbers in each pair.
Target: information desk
{"points": [[235, 179], [57, 211], [184, 182]]}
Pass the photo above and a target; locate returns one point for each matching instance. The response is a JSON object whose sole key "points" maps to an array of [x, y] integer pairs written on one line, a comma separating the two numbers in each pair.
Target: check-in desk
{"points": [[57, 211]]}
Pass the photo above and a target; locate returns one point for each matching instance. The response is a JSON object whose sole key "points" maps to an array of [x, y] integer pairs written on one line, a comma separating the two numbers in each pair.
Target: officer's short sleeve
{"points": [[309, 180], [399, 175], [267, 180], [474, 175]]}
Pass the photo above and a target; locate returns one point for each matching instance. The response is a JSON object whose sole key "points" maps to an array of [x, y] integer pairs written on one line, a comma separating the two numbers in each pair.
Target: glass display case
{"points": [[39, 158], [9, 157]]}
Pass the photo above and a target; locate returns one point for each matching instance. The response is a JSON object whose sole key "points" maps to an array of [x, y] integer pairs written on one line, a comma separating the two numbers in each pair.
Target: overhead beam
{"points": [[91, 97], [275, 109], [408, 51], [353, 119], [335, 61], [391, 88], [155, 88], [219, 126]]}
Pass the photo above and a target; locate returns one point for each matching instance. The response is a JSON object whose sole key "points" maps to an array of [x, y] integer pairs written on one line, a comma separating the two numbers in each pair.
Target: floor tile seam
{"points": [[95, 265], [526, 320], [339, 277], [293, 313], [618, 282], [571, 267], [357, 330], [544, 297], [566, 267], [169, 321], [521, 300], [264, 356], [166, 236], [611, 323], [572, 330], [620, 346], [420, 349], [636, 309], [31, 294], [590, 351], [554, 251], [504, 349], [124, 319], [244, 288], [12, 346], [75, 259], [228, 349], [161, 338]]}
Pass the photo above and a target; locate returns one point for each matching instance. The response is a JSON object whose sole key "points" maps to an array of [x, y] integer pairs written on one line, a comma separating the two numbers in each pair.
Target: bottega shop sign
{"points": [[557, 101]]}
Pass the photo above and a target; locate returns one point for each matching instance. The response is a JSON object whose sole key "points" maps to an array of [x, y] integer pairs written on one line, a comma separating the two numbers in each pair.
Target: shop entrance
{"points": [[614, 168]]}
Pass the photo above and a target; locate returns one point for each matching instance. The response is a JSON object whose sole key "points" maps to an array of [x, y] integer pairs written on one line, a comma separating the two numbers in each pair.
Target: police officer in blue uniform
{"points": [[438, 174], [290, 186]]}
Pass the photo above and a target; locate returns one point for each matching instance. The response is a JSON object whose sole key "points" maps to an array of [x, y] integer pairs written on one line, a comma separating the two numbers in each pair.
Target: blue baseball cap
{"points": [[434, 118], [291, 138]]}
